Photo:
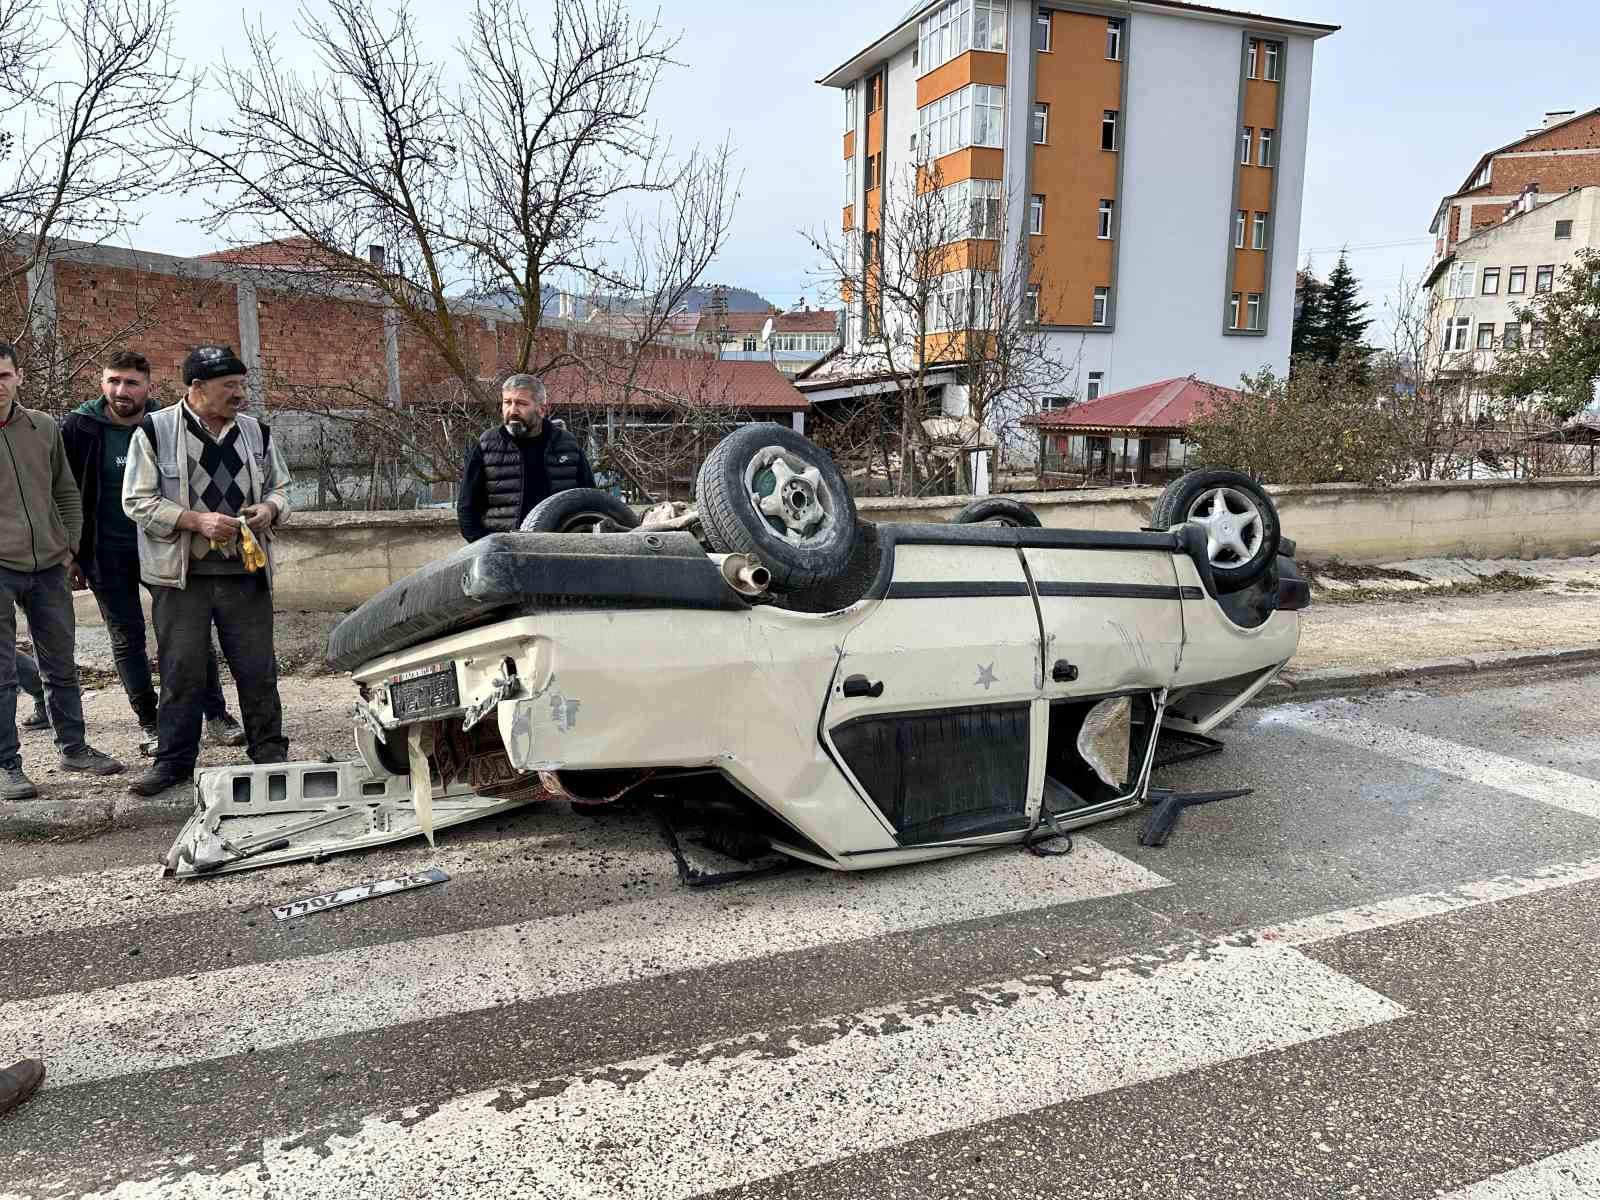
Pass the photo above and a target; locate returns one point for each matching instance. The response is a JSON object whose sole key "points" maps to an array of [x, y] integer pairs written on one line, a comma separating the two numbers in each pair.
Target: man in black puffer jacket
{"points": [[518, 463]]}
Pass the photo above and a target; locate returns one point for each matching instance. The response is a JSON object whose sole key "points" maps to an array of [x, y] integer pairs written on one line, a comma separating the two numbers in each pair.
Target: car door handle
{"points": [[1063, 671], [860, 685]]}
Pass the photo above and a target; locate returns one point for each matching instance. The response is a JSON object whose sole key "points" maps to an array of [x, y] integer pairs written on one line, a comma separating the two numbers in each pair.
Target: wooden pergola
{"points": [[1134, 436]]}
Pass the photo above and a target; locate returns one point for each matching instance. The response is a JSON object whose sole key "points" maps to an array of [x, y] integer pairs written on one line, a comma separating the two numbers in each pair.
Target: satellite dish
{"points": [[766, 330]]}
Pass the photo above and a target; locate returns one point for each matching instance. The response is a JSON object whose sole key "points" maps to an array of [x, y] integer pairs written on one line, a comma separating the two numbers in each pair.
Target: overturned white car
{"points": [[848, 694]]}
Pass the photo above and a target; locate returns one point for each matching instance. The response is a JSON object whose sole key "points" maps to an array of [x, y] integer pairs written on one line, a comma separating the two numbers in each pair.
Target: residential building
{"points": [[1153, 151], [799, 338], [1476, 289], [1562, 153]]}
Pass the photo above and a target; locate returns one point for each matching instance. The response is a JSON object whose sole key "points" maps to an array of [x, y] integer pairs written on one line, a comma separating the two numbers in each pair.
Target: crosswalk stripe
{"points": [[152, 1024], [676, 1125], [59, 903], [1334, 721], [1571, 1175]]}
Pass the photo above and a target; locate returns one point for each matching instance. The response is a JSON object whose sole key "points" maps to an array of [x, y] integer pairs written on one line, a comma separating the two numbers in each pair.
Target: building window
{"points": [[1511, 339], [875, 93], [849, 181], [1233, 311], [969, 117], [1486, 336], [1458, 284], [1096, 382], [971, 209], [1563, 230], [1544, 278], [1517, 281], [1108, 129], [1244, 146], [1269, 66], [874, 166], [1041, 30], [1491, 281], [1239, 219], [1103, 229], [1036, 214], [1250, 50], [1268, 155], [1041, 124], [961, 25], [1114, 38], [1102, 304], [750, 344], [1536, 336], [963, 301], [1030, 305], [850, 108], [1455, 332], [1049, 402], [1258, 232], [1252, 311]]}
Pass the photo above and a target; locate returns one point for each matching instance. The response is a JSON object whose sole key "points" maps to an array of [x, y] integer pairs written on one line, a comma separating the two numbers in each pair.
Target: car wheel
{"points": [[998, 510], [579, 510], [774, 494], [1239, 518]]}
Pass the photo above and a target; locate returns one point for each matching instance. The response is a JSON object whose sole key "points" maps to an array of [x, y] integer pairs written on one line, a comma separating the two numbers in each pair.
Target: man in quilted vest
{"points": [[518, 463], [197, 474]]}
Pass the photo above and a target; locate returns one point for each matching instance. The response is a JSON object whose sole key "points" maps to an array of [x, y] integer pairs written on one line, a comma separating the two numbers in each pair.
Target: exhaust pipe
{"points": [[744, 574]]}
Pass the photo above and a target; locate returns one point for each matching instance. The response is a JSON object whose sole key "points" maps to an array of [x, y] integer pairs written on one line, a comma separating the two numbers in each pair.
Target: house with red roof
{"points": [[1134, 436]]}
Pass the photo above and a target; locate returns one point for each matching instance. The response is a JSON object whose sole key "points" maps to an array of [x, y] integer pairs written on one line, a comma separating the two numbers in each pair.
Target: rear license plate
{"points": [[431, 689], [354, 895]]}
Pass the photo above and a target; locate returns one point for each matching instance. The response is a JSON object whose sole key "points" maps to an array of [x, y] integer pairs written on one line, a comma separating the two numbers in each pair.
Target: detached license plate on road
{"points": [[354, 895], [429, 689]]}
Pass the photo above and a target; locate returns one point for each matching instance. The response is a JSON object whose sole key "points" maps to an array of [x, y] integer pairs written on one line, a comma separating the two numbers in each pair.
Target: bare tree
{"points": [[449, 198], [84, 85], [1434, 389], [940, 287]]}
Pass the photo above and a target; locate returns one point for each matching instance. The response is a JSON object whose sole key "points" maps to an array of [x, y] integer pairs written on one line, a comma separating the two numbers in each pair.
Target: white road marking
{"points": [[148, 1025], [1571, 1175], [565, 843], [1336, 721], [675, 1125]]}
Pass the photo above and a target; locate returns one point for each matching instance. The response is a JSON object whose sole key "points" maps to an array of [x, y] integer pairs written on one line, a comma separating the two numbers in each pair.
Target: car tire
{"points": [[808, 537], [578, 510], [1242, 535], [998, 510]]}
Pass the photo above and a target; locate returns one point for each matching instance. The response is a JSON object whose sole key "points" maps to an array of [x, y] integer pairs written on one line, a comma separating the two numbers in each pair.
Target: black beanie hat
{"points": [[212, 362]]}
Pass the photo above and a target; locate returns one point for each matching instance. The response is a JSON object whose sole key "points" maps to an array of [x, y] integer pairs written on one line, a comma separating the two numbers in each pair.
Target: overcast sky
{"points": [[1404, 99]]}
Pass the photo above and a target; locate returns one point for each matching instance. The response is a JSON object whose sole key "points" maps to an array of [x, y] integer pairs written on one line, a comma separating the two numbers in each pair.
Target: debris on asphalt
{"points": [[354, 895]]}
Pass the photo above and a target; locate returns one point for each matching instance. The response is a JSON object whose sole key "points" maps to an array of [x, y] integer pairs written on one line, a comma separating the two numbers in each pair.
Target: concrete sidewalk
{"points": [[1367, 627]]}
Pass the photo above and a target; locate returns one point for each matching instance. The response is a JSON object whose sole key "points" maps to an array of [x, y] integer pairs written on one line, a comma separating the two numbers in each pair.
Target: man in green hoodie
{"points": [[96, 436], [40, 514]]}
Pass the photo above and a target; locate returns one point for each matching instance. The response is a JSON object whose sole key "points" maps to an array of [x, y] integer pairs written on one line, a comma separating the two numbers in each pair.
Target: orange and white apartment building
{"points": [[1154, 151]]}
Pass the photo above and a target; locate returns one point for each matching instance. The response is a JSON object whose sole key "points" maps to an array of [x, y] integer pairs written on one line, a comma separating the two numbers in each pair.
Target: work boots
{"points": [[158, 778], [14, 785]]}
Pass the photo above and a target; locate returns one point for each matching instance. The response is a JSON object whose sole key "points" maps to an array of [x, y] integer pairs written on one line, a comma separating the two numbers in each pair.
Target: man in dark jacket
{"points": [[518, 463], [96, 436]]}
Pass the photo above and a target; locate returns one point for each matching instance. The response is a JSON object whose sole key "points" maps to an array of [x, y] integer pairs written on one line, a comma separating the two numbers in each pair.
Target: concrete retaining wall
{"points": [[334, 561]]}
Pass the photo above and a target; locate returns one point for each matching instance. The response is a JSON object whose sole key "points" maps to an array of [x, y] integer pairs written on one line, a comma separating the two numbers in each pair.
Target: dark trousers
{"points": [[46, 600], [241, 608], [116, 590], [28, 678]]}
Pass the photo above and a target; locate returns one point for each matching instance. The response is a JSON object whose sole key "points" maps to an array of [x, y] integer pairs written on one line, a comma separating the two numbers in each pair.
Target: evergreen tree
{"points": [[1345, 319], [1311, 324]]}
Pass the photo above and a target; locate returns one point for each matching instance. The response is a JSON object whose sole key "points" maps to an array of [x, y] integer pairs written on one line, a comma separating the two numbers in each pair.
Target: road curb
{"points": [[1333, 681], [46, 818]]}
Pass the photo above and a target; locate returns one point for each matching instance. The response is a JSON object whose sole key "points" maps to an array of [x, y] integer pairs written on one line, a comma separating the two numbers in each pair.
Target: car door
{"points": [[1112, 615], [932, 706]]}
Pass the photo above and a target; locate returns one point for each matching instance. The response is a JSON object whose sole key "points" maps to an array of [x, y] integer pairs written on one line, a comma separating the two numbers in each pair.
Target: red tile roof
{"points": [[662, 382], [1167, 405], [815, 321], [296, 253]]}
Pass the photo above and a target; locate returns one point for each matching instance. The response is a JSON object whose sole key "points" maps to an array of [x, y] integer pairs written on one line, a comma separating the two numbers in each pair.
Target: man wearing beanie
{"points": [[198, 474]]}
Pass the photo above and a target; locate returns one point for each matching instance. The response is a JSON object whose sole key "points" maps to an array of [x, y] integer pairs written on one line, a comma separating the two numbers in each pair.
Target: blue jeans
{"points": [[46, 600]]}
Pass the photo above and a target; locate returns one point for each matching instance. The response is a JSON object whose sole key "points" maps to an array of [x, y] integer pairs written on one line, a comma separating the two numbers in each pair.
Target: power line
{"points": [[1368, 246]]}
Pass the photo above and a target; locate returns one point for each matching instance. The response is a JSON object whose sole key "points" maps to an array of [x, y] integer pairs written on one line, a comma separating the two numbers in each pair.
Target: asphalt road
{"points": [[1377, 976]]}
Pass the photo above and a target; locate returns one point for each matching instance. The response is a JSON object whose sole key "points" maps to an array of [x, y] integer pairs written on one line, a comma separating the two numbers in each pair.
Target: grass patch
{"points": [[1499, 583], [1345, 573], [1582, 585]]}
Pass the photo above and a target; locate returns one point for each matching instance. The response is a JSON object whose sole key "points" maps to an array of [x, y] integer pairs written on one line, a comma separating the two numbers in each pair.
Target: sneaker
{"points": [[18, 1082], [149, 739], [90, 760], [158, 778], [225, 731], [14, 785], [39, 720]]}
